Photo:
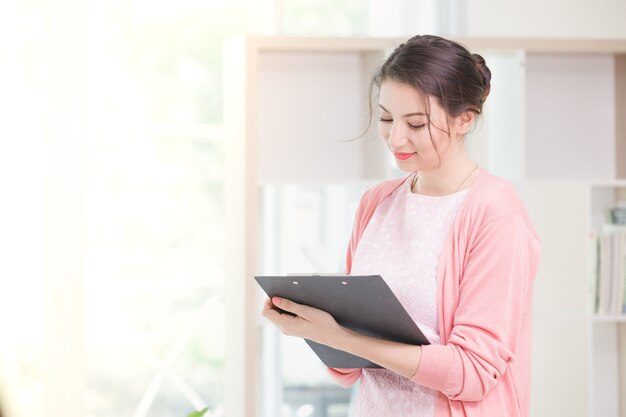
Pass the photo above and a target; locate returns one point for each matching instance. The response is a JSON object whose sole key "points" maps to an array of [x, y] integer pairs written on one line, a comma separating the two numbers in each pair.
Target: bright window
{"points": [[112, 287], [112, 234]]}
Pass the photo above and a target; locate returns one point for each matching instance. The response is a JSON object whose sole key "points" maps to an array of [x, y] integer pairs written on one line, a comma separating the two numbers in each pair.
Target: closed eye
{"points": [[412, 126]]}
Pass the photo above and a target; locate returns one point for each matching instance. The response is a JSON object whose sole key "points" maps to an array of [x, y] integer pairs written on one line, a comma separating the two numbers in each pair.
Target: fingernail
{"points": [[276, 300]]}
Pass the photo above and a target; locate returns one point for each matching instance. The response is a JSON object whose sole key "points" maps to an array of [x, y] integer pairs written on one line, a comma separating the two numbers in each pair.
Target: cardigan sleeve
{"points": [[363, 214], [494, 293], [346, 377]]}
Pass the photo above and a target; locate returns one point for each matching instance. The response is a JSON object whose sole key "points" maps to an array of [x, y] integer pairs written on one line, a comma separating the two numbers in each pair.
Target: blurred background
{"points": [[112, 173]]}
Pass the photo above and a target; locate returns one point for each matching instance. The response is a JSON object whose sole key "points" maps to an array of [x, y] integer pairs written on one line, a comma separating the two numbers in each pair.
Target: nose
{"points": [[397, 136]]}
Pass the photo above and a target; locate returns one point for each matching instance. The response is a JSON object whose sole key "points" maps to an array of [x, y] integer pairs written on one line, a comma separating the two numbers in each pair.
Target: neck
{"points": [[454, 174]]}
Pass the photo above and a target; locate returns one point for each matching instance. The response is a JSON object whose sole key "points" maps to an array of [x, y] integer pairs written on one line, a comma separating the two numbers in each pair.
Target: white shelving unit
{"points": [[555, 124], [608, 332]]}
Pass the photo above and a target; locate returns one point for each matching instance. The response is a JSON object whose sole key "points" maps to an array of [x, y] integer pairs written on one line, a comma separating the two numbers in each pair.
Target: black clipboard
{"points": [[362, 303]]}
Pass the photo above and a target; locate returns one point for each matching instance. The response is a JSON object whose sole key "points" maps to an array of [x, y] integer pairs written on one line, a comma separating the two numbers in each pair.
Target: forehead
{"points": [[403, 98]]}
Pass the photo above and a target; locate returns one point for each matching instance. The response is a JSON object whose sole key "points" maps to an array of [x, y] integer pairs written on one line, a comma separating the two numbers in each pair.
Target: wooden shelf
{"points": [[608, 319], [532, 45], [619, 183]]}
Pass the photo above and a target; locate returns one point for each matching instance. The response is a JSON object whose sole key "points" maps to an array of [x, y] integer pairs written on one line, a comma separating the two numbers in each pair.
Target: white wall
{"points": [[546, 18], [490, 18]]}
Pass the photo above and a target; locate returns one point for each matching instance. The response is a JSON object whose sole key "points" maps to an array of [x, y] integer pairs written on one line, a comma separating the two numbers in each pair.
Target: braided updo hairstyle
{"points": [[442, 69]]}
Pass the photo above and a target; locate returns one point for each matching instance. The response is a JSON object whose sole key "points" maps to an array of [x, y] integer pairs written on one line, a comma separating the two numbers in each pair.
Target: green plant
{"points": [[198, 413]]}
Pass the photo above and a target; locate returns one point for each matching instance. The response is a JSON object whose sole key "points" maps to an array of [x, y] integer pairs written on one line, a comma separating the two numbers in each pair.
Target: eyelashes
{"points": [[414, 127]]}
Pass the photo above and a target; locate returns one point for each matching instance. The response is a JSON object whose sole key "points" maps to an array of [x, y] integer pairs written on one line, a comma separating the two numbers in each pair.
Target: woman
{"points": [[452, 241]]}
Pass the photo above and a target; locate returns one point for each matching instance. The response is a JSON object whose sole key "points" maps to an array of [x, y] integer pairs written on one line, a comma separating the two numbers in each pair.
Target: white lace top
{"points": [[402, 243]]}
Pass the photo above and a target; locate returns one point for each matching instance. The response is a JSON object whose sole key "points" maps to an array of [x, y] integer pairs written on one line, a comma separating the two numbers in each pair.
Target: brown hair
{"points": [[439, 68]]}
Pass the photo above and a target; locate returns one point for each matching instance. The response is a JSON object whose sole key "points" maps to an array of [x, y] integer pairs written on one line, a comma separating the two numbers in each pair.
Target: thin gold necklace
{"points": [[457, 189]]}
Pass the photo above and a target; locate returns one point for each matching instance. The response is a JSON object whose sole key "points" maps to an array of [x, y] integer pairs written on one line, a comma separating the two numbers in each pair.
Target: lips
{"points": [[402, 156]]}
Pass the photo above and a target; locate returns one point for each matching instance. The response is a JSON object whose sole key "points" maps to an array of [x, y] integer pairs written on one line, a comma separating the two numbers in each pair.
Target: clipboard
{"points": [[362, 303]]}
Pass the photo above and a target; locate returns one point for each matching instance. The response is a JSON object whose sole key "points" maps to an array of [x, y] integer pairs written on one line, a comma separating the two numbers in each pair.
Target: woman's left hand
{"points": [[309, 322]]}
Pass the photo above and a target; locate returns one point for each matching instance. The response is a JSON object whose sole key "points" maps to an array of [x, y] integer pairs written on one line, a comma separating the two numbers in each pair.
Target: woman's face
{"points": [[404, 125]]}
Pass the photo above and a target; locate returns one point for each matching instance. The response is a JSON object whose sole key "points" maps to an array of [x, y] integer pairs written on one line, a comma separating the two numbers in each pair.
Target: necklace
{"points": [[457, 188]]}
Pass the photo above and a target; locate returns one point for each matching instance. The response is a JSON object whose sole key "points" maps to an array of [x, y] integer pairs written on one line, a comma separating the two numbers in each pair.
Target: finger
{"points": [[268, 304], [271, 312], [272, 315], [284, 322], [267, 307], [290, 306], [276, 317]]}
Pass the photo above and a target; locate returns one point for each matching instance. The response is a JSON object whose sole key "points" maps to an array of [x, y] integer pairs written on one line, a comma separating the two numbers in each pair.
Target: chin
{"points": [[405, 169], [407, 166]]}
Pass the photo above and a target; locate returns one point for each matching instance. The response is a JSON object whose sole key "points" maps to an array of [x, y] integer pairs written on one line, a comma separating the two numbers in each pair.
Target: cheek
{"points": [[425, 146], [441, 141]]}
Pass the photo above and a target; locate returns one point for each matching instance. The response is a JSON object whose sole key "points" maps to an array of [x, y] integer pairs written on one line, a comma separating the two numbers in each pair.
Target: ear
{"points": [[464, 122]]}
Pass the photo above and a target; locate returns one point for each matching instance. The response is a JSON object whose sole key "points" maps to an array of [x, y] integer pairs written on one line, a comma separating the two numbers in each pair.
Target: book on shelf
{"points": [[611, 270]]}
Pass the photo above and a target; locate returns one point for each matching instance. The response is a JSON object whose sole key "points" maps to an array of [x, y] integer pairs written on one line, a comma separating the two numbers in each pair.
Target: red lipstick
{"points": [[402, 156]]}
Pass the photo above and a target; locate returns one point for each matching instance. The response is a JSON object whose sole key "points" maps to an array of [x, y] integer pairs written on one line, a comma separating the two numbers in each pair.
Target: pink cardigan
{"points": [[484, 292]]}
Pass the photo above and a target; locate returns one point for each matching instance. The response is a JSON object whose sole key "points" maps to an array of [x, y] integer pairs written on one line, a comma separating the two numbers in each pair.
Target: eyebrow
{"points": [[406, 115]]}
